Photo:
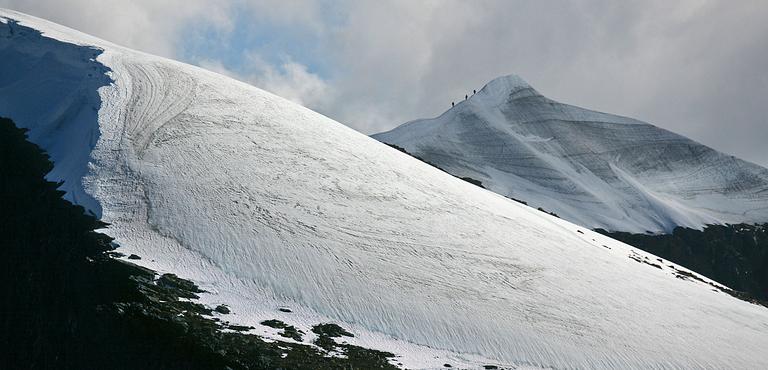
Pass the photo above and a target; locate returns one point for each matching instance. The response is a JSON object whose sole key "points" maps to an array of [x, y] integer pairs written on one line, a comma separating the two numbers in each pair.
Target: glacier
{"points": [[266, 204], [594, 169]]}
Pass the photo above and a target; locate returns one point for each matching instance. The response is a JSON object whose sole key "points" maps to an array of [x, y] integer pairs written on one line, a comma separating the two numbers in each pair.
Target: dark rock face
{"points": [[331, 330], [289, 331], [473, 181], [733, 255], [222, 309], [44, 243], [66, 303]]}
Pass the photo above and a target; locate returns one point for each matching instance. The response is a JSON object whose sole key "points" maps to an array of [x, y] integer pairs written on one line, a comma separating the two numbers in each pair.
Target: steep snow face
{"points": [[594, 169], [52, 87], [266, 204]]}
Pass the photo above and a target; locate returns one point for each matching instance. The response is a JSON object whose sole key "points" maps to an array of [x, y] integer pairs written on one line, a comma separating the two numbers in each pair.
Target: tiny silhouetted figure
{"points": [[474, 92], [465, 97], [452, 104]]}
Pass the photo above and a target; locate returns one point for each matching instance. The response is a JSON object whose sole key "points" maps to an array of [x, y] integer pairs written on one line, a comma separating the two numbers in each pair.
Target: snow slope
{"points": [[267, 204], [591, 168]]}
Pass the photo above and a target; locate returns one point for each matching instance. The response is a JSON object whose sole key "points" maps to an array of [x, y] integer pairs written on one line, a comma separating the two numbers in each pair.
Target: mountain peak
{"points": [[501, 88], [595, 169]]}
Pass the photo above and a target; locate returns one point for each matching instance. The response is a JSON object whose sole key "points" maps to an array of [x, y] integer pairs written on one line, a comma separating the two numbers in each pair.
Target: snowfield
{"points": [[266, 204], [591, 168]]}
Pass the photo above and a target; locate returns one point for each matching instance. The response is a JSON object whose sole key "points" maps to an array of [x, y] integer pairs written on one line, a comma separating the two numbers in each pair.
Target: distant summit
{"points": [[595, 169], [502, 88]]}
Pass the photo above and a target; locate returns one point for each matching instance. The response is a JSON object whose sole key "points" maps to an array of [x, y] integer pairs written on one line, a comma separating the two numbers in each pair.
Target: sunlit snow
{"points": [[267, 204]]}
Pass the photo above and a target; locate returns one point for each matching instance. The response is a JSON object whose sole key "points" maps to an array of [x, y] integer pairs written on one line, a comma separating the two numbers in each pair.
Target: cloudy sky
{"points": [[699, 68]]}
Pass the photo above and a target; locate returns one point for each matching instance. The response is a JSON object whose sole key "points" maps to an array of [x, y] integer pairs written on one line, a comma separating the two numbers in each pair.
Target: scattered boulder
{"points": [[331, 330], [289, 331], [185, 288], [222, 309], [473, 181], [274, 323]]}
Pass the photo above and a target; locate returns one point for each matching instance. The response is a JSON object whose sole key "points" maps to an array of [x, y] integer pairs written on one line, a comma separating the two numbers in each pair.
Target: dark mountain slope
{"points": [[734, 255], [65, 303]]}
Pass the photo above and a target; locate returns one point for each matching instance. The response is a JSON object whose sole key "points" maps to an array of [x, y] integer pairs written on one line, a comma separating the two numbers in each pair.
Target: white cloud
{"points": [[154, 26], [290, 80], [695, 67]]}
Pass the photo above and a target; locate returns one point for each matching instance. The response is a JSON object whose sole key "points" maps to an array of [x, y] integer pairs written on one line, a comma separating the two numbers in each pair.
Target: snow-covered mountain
{"points": [[595, 169], [266, 204]]}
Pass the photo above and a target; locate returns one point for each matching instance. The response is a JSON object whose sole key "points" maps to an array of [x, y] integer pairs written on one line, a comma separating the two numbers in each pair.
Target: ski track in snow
{"points": [[266, 204], [591, 168]]}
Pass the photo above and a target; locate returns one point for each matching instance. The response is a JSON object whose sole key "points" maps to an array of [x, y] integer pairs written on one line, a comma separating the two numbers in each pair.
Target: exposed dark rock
{"points": [[473, 181], [331, 330], [239, 327], [545, 211], [222, 309], [293, 333], [733, 255], [274, 323], [172, 281], [518, 200]]}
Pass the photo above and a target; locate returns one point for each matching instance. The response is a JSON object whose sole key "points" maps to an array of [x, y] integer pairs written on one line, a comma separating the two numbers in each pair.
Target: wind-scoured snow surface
{"points": [[267, 204], [594, 169]]}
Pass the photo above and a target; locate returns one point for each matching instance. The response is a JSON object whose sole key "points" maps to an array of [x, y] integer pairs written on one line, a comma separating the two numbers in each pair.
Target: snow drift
{"points": [[594, 169], [267, 204]]}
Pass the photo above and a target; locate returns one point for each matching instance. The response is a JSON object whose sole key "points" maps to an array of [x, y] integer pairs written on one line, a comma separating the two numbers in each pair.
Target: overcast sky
{"points": [[699, 68]]}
